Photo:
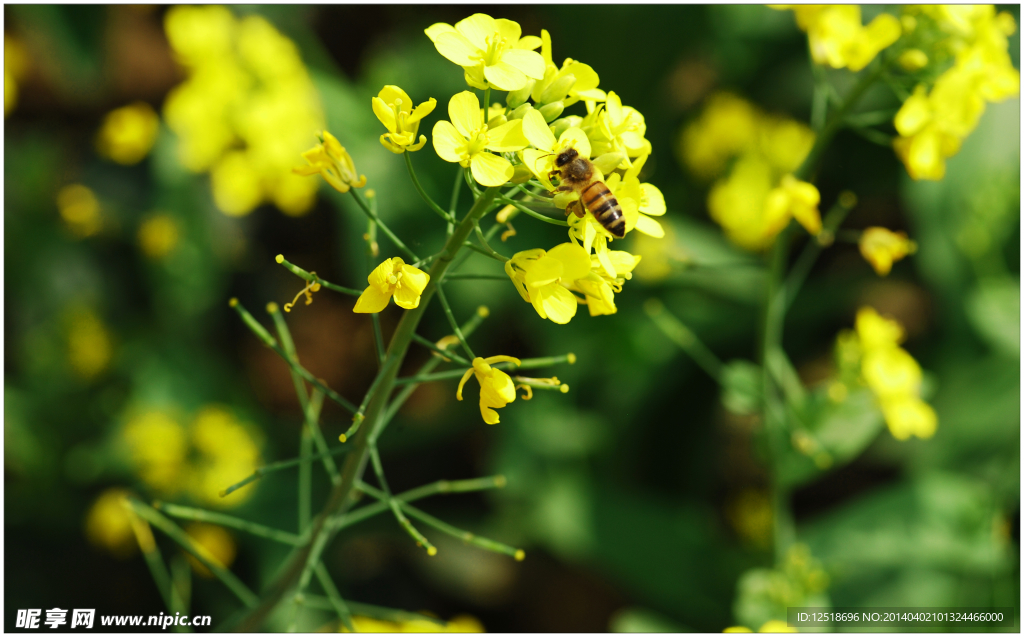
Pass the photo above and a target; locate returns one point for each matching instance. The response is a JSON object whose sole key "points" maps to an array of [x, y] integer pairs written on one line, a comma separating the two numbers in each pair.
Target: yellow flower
{"points": [[108, 524], [727, 126], [648, 198], [838, 38], [496, 387], [491, 52], [612, 127], [215, 542], [393, 107], [567, 85], [876, 331], [15, 67], [881, 248], [89, 346], [466, 139], [458, 624], [236, 183], [797, 199], [128, 133], [907, 415], [333, 163], [541, 158], [158, 235], [392, 278], [79, 209], [158, 448], [770, 626], [599, 288], [541, 277], [225, 453], [890, 372]]}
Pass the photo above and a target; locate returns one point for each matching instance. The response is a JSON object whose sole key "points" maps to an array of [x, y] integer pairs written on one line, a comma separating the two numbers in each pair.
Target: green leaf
{"points": [[994, 311]]}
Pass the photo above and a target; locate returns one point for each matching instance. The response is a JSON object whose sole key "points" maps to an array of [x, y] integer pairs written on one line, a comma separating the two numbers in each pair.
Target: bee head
{"points": [[565, 157]]}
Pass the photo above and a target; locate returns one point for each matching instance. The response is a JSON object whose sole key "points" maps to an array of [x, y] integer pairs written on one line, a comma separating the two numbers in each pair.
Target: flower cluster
{"points": [[759, 195], [128, 133], [933, 121], [889, 371], [839, 39], [216, 450], [245, 110]]}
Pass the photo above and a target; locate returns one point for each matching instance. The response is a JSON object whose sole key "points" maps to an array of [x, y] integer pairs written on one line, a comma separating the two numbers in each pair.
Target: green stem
{"points": [[313, 278], [383, 226], [173, 531], [433, 347], [338, 604], [795, 280], [681, 335], [355, 463], [486, 277], [369, 610], [392, 503], [484, 251], [454, 204], [451, 321], [483, 241], [277, 466], [202, 515], [416, 182], [536, 215]]}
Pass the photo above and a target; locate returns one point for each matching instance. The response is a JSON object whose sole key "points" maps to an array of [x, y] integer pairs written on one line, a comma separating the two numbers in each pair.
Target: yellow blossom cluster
{"points": [[128, 133], [838, 38], [15, 68], [881, 248], [245, 110], [933, 122], [889, 371], [213, 453], [458, 624], [758, 196]]}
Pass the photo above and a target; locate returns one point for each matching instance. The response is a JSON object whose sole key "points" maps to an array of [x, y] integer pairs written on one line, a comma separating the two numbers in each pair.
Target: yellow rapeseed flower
{"points": [[80, 210], [15, 68], [564, 86], [392, 278], [496, 387], [158, 235], [726, 127], [108, 524], [491, 52], [393, 107], [466, 139], [648, 198], [128, 133], [837, 37], [614, 128], [215, 542], [541, 158], [89, 344], [541, 278], [158, 448], [458, 624], [224, 453], [331, 161], [881, 248], [598, 288]]}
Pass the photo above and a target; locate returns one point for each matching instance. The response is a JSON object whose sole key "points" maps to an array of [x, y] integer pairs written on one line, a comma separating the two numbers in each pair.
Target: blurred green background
{"points": [[639, 499]]}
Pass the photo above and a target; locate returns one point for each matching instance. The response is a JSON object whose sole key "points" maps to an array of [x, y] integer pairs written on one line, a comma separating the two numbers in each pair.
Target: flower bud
{"points": [[520, 111], [518, 98], [521, 174], [551, 111], [913, 60], [608, 162], [557, 90]]}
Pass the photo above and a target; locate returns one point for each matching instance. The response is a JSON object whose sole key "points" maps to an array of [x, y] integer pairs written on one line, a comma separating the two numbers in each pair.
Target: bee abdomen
{"points": [[605, 207]]}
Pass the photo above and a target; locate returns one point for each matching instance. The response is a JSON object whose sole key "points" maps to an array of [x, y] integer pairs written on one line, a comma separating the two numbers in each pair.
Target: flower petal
{"points": [[491, 170], [529, 63], [391, 94], [543, 272], [456, 48], [649, 227], [555, 303], [384, 113], [477, 28], [537, 131], [509, 30], [435, 30], [464, 111], [507, 137], [421, 111], [654, 201], [575, 261], [577, 138], [414, 279], [448, 143], [379, 277], [407, 297], [505, 77], [371, 301]]}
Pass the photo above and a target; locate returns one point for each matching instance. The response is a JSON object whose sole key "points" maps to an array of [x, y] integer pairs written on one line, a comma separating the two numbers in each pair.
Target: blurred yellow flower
{"points": [[890, 372], [15, 68], [392, 278], [158, 235], [837, 37], [108, 524], [393, 107], [216, 543], [245, 109], [89, 344], [541, 276], [466, 139], [79, 209], [331, 161], [128, 133], [224, 453], [727, 127], [496, 387], [458, 624], [491, 52], [881, 248], [158, 447]]}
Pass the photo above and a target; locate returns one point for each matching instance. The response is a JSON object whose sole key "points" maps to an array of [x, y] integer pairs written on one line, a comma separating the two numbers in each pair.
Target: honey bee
{"points": [[578, 174]]}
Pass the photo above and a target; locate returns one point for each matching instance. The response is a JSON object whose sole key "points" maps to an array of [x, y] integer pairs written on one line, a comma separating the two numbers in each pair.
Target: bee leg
{"points": [[578, 209]]}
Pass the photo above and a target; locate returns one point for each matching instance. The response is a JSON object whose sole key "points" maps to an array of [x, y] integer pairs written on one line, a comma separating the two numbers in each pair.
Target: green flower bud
{"points": [[518, 98], [551, 111], [557, 90], [521, 111]]}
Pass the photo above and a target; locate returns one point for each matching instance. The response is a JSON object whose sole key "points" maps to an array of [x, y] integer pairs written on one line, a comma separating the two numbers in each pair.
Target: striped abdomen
{"points": [[605, 207]]}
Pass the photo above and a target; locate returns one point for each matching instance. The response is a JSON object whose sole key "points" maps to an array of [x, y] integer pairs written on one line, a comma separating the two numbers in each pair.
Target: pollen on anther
{"points": [[279, 258]]}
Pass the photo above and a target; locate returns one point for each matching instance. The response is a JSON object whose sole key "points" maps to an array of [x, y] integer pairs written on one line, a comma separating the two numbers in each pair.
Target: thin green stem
{"points": [[394, 504], [202, 515], [484, 251], [536, 215], [197, 551], [468, 175], [454, 204], [355, 463], [416, 182], [483, 241], [682, 336], [181, 580], [277, 466], [313, 278], [443, 352], [527, 363], [798, 274], [369, 610], [383, 226], [486, 277], [444, 527], [316, 402], [451, 321], [338, 604], [378, 339]]}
